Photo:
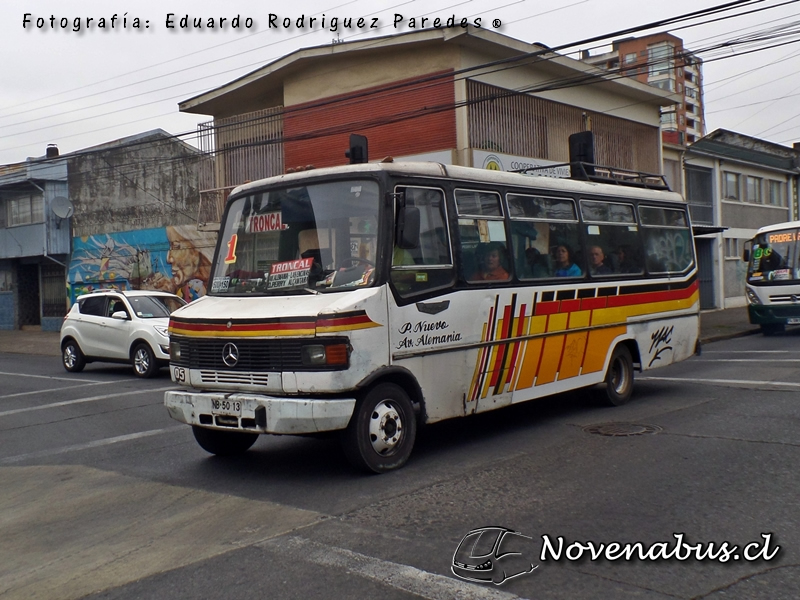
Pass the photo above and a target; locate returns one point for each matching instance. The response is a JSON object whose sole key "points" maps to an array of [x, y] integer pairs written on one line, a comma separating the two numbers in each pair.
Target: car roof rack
{"points": [[605, 174]]}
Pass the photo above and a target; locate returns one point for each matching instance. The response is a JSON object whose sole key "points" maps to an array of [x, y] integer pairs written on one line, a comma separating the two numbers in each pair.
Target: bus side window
{"points": [[483, 236], [667, 240], [615, 247], [540, 226]]}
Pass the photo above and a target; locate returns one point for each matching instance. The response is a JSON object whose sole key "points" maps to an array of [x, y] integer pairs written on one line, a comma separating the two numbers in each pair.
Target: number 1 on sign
{"points": [[231, 258]]}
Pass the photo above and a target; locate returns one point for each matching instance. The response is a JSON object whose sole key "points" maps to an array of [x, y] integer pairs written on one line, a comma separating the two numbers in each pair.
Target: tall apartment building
{"points": [[661, 60]]}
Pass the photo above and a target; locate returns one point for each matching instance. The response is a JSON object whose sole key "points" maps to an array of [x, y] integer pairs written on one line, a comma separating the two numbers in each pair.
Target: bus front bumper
{"points": [[787, 314], [258, 413]]}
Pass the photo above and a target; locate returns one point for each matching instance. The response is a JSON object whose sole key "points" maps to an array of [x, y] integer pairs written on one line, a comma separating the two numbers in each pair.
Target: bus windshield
{"points": [[774, 257], [304, 239]]}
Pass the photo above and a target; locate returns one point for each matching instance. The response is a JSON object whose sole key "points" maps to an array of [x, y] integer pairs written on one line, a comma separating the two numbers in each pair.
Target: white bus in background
{"points": [[773, 277], [369, 299]]}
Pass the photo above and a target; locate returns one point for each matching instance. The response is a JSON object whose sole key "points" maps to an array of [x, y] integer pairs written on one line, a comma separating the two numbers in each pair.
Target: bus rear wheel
{"points": [[619, 377], [223, 443], [382, 430]]}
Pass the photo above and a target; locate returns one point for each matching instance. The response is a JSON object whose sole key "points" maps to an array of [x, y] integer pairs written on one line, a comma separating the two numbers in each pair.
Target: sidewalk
{"points": [[714, 326]]}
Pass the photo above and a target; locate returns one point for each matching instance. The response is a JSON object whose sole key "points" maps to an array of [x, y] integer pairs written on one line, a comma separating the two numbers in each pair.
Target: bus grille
{"points": [[785, 298], [254, 355]]}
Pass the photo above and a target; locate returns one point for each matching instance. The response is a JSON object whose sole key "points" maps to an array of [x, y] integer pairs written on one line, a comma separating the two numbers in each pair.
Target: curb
{"points": [[728, 336]]}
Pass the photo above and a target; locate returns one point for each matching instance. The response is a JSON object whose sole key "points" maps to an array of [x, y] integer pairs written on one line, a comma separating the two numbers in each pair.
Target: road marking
{"points": [[749, 360], [69, 531], [744, 382], [60, 389], [402, 577], [15, 411], [49, 377], [749, 351], [88, 445]]}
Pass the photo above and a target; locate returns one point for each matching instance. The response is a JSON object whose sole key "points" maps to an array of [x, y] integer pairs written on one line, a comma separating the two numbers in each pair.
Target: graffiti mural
{"points": [[668, 249], [174, 259]]}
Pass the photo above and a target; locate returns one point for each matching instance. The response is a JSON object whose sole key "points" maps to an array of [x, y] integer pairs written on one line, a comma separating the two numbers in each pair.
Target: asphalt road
{"points": [[103, 496]]}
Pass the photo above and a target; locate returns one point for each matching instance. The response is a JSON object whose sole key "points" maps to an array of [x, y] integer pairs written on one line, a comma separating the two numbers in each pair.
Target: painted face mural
{"points": [[174, 259]]}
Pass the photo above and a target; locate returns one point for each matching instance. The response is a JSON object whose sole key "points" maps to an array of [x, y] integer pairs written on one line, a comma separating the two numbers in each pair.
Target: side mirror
{"points": [[120, 314], [408, 225], [746, 255]]}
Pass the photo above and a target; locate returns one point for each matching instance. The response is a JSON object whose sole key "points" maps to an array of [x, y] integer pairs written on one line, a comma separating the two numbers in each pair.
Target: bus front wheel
{"points": [[772, 328], [382, 430], [619, 377]]}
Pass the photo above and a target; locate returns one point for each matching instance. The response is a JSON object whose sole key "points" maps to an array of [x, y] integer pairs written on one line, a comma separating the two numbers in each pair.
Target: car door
{"points": [[115, 333], [89, 329]]}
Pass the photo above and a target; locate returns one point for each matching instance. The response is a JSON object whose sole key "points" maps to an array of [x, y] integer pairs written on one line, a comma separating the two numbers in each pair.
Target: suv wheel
{"points": [[144, 361], [71, 356]]}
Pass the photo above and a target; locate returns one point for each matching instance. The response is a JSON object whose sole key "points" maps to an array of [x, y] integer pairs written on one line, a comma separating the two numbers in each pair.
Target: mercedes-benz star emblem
{"points": [[230, 354]]}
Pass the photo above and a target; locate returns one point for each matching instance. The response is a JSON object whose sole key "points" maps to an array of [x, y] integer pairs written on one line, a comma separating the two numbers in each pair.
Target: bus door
{"points": [[445, 339]]}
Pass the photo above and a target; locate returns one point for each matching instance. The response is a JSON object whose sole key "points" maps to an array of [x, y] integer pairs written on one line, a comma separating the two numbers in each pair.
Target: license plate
{"points": [[793, 321], [226, 407]]}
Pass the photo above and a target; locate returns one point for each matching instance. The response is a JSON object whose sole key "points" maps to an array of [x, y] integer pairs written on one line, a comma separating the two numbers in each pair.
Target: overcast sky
{"points": [[78, 89]]}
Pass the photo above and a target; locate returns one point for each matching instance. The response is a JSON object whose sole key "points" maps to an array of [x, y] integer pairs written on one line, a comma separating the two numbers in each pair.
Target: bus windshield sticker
{"points": [[265, 223], [290, 273], [220, 284]]}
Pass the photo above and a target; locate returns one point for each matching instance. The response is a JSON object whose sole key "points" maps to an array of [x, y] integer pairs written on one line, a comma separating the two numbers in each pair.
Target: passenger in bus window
{"points": [[565, 267], [597, 261], [537, 262], [490, 259], [625, 261]]}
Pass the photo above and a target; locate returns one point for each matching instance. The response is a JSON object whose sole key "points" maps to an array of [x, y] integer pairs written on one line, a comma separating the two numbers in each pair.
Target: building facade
{"points": [[662, 61], [736, 183], [34, 242], [122, 215], [467, 97]]}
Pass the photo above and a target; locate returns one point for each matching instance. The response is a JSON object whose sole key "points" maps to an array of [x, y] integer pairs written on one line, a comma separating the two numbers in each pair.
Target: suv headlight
{"points": [[162, 330], [331, 355]]}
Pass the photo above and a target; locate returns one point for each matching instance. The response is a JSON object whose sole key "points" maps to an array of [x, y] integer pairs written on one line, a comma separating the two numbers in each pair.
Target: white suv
{"points": [[116, 326]]}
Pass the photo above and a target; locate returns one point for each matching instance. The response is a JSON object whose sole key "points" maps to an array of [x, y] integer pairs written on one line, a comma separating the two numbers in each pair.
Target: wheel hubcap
{"points": [[141, 361], [619, 379], [69, 356], [385, 428]]}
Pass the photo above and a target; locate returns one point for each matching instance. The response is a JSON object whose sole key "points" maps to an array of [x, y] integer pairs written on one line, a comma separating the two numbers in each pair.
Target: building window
{"points": [[660, 58], [688, 76], [699, 194], [664, 84], [24, 210], [753, 189], [6, 280], [690, 139], [689, 107], [691, 93], [730, 186], [668, 119], [732, 248], [690, 123], [630, 58], [776, 193]]}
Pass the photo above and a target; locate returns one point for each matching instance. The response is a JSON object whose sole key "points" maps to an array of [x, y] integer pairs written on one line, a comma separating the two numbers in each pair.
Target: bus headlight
{"points": [[752, 297], [175, 351], [330, 355]]}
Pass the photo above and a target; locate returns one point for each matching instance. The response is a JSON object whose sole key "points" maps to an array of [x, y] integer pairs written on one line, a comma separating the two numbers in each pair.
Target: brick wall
{"points": [[417, 118]]}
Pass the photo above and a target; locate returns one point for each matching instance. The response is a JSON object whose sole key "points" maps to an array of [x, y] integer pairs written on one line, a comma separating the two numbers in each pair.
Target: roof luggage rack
{"points": [[604, 174]]}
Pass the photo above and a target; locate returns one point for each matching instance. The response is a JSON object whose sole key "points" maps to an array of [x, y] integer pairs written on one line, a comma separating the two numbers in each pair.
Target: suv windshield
{"points": [[774, 257], [317, 237], [154, 307]]}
